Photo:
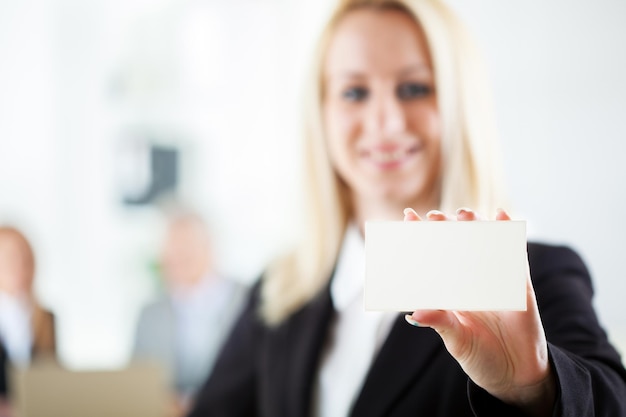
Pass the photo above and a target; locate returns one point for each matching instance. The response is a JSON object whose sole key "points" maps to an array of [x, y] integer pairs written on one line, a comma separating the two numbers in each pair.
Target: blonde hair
{"points": [[471, 173]]}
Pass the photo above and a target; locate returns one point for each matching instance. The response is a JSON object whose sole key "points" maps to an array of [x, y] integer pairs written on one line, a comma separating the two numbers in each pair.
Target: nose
{"points": [[386, 116]]}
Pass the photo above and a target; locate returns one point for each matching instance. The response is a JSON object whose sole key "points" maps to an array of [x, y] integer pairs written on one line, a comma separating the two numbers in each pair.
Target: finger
{"points": [[411, 215], [531, 298], [464, 214], [437, 319], [444, 322], [436, 215], [501, 214]]}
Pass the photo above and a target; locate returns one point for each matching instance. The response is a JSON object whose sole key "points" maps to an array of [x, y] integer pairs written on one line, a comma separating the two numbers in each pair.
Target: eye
{"points": [[409, 91], [355, 94]]}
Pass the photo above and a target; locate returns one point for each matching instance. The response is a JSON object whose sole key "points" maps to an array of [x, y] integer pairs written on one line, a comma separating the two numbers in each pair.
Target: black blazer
{"points": [[270, 372]]}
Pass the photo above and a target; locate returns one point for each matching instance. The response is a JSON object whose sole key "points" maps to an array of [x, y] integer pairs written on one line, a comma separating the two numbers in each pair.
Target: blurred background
{"points": [[107, 106]]}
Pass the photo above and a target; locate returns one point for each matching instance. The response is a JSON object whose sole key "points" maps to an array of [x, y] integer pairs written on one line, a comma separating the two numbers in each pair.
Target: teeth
{"points": [[387, 156]]}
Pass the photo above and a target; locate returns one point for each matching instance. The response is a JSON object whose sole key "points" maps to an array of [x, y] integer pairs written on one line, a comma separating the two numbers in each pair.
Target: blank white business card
{"points": [[447, 265]]}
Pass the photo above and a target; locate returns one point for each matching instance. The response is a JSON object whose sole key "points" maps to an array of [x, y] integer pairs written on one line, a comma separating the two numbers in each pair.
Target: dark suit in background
{"points": [[157, 335], [270, 372]]}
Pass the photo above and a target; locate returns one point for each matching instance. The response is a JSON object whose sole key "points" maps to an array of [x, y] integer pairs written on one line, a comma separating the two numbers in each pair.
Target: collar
{"points": [[211, 290], [349, 277]]}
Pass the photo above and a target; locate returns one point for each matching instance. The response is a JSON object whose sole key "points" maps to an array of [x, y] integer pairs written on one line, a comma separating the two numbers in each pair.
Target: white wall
{"points": [[558, 76], [221, 79]]}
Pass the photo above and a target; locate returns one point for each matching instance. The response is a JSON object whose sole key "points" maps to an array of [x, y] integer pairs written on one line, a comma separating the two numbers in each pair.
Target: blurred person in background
{"points": [[398, 126], [26, 329], [185, 327], [5, 405]]}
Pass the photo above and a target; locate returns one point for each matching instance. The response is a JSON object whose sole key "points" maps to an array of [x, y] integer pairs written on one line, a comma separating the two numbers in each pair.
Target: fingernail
{"points": [[408, 210], [409, 319], [434, 213], [462, 210]]}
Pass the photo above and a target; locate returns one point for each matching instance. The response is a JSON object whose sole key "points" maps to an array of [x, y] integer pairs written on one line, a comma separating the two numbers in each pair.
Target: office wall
{"points": [[220, 80], [557, 69]]}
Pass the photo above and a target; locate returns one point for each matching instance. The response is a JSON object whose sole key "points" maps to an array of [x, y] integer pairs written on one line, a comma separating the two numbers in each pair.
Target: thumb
{"points": [[444, 322]]}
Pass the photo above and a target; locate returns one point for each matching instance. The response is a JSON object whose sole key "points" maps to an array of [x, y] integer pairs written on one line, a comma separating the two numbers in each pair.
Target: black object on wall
{"points": [[147, 172]]}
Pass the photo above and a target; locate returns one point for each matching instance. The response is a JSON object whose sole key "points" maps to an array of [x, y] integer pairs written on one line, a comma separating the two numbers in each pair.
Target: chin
{"points": [[394, 196]]}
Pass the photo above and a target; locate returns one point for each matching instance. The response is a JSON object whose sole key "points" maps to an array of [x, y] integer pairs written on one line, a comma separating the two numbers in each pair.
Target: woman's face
{"points": [[380, 109]]}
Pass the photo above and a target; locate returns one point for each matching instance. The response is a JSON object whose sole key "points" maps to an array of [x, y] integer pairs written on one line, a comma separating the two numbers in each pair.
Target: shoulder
{"points": [[156, 309], [546, 259], [558, 273], [43, 321], [236, 286], [234, 290], [156, 319], [42, 314]]}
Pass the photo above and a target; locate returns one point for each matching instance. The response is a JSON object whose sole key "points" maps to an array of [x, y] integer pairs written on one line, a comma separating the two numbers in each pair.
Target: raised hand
{"points": [[504, 352]]}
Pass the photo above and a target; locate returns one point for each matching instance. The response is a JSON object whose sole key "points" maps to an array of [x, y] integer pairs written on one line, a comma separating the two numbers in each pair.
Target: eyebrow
{"points": [[416, 68], [411, 69]]}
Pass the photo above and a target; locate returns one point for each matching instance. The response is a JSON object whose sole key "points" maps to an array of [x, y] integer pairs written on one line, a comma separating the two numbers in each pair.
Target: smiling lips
{"points": [[389, 157]]}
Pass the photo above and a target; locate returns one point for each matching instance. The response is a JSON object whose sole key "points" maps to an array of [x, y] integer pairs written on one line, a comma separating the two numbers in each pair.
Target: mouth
{"points": [[390, 157]]}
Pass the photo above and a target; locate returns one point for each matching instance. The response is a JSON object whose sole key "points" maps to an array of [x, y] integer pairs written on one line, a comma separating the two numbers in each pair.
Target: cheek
{"points": [[333, 122], [433, 124], [341, 125], [425, 123]]}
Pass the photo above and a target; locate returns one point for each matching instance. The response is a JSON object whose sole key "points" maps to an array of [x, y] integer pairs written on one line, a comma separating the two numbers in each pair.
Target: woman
{"points": [[397, 118]]}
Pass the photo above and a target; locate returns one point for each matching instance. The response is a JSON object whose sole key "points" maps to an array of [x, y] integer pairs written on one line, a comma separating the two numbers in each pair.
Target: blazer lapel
{"points": [[406, 351], [306, 332]]}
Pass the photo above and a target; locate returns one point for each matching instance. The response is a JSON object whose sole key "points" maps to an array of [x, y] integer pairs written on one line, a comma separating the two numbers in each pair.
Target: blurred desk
{"points": [[47, 390]]}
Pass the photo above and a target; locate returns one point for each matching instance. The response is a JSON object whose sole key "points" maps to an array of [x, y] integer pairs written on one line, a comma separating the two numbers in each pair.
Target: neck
{"points": [[189, 284]]}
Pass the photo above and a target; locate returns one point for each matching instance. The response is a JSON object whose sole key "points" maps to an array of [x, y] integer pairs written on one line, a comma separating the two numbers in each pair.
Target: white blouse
{"points": [[355, 336], [15, 328]]}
